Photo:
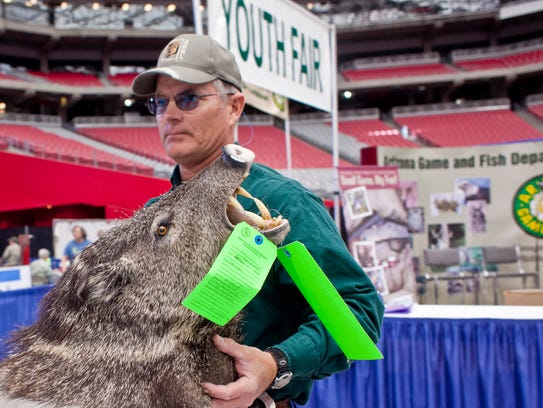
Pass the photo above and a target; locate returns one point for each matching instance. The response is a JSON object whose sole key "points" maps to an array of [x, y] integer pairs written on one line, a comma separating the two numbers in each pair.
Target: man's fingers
{"points": [[228, 392], [228, 346], [217, 391]]}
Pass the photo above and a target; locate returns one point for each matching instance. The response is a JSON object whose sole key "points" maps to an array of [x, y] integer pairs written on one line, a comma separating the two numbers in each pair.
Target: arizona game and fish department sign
{"points": [[528, 206]]}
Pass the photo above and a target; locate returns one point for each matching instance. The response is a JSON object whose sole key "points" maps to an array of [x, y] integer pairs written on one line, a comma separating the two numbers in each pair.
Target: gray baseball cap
{"points": [[191, 58]]}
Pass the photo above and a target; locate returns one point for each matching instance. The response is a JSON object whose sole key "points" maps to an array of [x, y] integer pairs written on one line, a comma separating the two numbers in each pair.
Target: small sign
{"points": [[235, 277], [327, 303]]}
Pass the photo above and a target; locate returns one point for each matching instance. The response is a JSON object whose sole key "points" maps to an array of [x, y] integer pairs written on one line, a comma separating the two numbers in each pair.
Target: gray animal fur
{"points": [[112, 332]]}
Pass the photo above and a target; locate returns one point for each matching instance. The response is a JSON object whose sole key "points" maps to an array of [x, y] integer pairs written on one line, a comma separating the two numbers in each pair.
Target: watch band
{"points": [[284, 375]]}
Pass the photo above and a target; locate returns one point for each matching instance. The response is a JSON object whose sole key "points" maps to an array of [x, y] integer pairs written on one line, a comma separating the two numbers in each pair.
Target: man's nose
{"points": [[172, 109]]}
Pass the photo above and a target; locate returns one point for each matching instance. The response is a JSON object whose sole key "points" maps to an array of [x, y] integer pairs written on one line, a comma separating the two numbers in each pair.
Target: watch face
{"points": [[284, 374], [282, 380]]}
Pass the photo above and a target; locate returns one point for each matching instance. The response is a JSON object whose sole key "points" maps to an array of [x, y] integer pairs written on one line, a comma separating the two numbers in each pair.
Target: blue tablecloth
{"points": [[18, 308], [472, 356], [436, 356]]}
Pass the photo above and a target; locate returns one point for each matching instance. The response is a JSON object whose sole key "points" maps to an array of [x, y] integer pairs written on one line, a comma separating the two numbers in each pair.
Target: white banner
{"points": [[267, 101], [278, 45]]}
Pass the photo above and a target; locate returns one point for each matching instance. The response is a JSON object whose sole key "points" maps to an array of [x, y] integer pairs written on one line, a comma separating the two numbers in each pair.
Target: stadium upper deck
{"points": [[99, 45]]}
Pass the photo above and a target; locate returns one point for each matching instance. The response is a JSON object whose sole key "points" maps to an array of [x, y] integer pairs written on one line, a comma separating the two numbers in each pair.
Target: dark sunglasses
{"points": [[157, 105]]}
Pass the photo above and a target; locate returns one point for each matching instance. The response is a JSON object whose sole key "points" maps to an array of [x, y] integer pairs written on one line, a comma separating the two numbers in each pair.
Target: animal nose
{"points": [[238, 154]]}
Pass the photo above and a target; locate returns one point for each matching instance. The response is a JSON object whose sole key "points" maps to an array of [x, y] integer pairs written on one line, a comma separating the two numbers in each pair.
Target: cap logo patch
{"points": [[176, 49]]}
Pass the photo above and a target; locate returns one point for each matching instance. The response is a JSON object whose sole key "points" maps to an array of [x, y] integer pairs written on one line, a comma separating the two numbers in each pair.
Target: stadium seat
{"points": [[144, 141], [374, 132], [536, 109], [69, 78], [470, 128], [50, 146], [364, 74], [514, 59], [268, 143], [122, 79]]}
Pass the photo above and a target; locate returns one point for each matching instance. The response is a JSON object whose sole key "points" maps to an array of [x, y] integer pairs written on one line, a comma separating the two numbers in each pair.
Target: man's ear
{"points": [[237, 101]]}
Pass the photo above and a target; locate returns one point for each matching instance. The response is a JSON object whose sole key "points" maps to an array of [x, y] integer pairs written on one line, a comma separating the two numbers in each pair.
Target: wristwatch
{"points": [[284, 375]]}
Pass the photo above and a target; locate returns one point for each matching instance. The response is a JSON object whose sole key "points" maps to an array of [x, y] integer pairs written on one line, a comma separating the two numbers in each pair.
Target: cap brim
{"points": [[145, 83]]}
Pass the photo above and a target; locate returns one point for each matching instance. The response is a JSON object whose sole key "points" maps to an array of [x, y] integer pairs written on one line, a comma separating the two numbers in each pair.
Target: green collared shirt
{"points": [[279, 315]]}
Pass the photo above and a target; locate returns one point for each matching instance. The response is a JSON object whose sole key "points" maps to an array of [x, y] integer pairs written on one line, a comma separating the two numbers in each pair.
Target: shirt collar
{"points": [[175, 178]]}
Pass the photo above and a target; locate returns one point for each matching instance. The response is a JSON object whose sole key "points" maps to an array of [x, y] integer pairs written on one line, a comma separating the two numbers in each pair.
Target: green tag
{"points": [[327, 303], [235, 277]]}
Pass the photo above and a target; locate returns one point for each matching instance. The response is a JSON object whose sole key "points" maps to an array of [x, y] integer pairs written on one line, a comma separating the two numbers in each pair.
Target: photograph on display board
{"points": [[356, 201], [409, 193], [388, 229], [441, 236], [364, 253], [377, 276], [445, 203], [415, 219], [473, 189], [381, 219], [476, 215]]}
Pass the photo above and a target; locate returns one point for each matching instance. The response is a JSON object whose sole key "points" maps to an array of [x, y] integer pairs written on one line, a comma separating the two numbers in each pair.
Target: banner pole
{"points": [[197, 15], [288, 141], [335, 151]]}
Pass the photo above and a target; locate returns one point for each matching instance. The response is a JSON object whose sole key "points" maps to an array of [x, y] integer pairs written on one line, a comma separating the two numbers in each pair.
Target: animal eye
{"points": [[162, 230]]}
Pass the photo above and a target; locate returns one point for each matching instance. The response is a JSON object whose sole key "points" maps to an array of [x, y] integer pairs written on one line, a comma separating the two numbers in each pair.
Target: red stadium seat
{"points": [[512, 60], [50, 146], [364, 74], [268, 143], [122, 79], [69, 78], [9, 77], [373, 132], [144, 141], [536, 109], [470, 128]]}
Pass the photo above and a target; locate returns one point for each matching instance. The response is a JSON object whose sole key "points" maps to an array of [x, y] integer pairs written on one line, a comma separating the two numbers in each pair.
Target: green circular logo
{"points": [[528, 206]]}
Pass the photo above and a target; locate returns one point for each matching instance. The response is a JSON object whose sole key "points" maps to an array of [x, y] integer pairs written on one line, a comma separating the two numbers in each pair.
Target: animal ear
{"points": [[101, 285]]}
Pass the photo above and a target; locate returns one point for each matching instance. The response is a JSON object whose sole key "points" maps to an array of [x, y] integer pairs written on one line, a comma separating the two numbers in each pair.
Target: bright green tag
{"points": [[327, 303], [235, 277]]}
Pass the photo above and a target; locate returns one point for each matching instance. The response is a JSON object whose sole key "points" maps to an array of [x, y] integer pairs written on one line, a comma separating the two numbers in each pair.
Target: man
{"points": [[41, 270], [12, 254], [195, 93], [75, 246]]}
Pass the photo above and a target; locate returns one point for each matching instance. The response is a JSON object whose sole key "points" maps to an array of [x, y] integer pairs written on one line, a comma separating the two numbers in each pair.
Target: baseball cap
{"points": [[191, 58]]}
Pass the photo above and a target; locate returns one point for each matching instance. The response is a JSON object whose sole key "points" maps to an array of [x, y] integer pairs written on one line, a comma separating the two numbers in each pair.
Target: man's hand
{"points": [[256, 370]]}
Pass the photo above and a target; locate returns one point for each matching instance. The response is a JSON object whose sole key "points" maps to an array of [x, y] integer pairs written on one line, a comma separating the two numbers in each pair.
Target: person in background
{"points": [[41, 270], [196, 96], [12, 254], [75, 246]]}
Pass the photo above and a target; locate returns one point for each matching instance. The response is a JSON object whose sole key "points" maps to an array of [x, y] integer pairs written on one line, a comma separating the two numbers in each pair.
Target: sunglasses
{"points": [[157, 105]]}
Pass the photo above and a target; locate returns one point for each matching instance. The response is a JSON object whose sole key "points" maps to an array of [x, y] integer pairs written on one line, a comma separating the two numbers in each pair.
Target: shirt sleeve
{"points": [[312, 353]]}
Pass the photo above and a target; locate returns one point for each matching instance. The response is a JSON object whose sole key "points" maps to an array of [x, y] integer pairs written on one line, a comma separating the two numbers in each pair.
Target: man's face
{"points": [[78, 234], [195, 138]]}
